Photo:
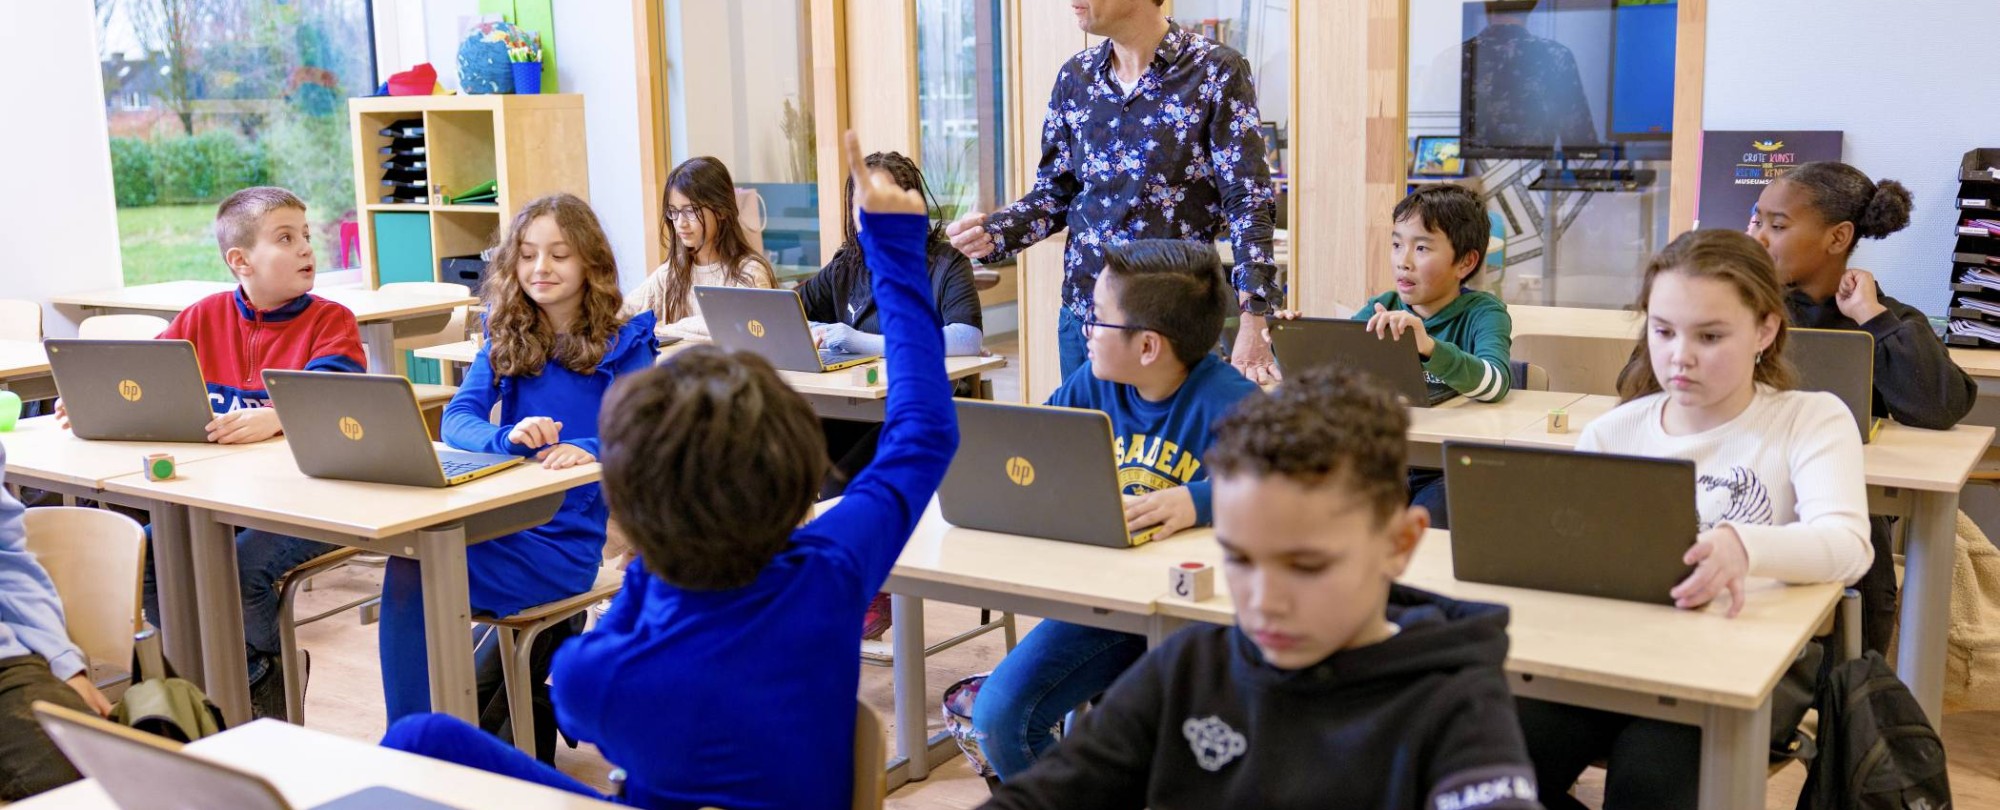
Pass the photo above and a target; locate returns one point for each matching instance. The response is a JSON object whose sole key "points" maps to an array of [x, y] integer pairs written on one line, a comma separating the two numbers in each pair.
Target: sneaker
{"points": [[267, 692], [876, 621]]}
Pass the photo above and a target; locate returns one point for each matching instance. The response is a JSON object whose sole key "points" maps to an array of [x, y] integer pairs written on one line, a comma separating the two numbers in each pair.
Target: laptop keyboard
{"points": [[828, 357], [453, 469]]}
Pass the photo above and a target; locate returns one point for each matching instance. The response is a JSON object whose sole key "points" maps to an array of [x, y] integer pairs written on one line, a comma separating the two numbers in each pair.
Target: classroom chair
{"points": [[517, 643], [96, 558], [869, 762], [289, 585], [121, 327], [1585, 365], [1529, 377], [877, 653], [20, 319]]}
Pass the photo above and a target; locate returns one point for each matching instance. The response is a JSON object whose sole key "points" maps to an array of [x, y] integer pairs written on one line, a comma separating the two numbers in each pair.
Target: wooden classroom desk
{"points": [[263, 489], [1914, 474], [383, 316], [1574, 322], [1082, 584], [24, 370], [310, 768], [1464, 419], [44, 456]]}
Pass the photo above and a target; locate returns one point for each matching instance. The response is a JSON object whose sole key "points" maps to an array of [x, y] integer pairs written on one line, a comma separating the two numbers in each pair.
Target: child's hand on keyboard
{"points": [[536, 431], [563, 456]]}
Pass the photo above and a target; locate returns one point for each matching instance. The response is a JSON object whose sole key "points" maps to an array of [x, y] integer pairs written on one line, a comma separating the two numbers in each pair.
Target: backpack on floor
{"points": [[1876, 747], [958, 699]]}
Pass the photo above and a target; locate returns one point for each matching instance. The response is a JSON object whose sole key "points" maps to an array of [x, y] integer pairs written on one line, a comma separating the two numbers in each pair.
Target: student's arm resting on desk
{"points": [[1483, 371], [1829, 542], [1107, 761], [919, 430], [29, 607], [467, 421], [1914, 373]]}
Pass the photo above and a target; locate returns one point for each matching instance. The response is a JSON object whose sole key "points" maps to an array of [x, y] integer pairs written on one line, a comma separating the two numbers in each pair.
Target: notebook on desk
{"points": [[1309, 343], [1037, 471], [769, 323], [367, 427], [131, 390], [141, 771]]}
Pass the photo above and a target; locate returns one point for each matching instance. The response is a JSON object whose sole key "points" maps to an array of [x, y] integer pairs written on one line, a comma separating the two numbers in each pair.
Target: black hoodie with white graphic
{"points": [[1422, 719]]}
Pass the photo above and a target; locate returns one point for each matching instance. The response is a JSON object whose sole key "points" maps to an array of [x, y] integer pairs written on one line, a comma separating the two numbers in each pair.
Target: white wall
{"points": [[731, 67], [55, 196], [1893, 77]]}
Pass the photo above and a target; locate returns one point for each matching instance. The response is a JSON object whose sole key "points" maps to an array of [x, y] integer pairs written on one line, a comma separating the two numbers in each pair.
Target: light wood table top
{"points": [[1901, 456], [37, 447], [311, 768], [1467, 420], [266, 483], [463, 351], [1698, 655], [1978, 362], [173, 296], [1114, 579], [830, 384], [22, 358], [1574, 322]]}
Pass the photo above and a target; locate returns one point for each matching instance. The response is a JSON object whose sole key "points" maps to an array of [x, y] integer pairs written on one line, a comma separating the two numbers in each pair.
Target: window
{"points": [[739, 88], [204, 97], [1261, 30], [960, 59]]}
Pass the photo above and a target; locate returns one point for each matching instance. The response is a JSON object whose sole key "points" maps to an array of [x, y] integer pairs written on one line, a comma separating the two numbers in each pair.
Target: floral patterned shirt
{"points": [[1180, 158]]}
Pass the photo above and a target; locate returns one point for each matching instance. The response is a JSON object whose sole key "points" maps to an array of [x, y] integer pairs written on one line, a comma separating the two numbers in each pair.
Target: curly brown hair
{"points": [[1327, 426], [521, 339], [710, 461], [1728, 256]]}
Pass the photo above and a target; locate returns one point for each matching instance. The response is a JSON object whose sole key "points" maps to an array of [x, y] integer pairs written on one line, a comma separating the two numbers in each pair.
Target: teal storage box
{"points": [[403, 247]]}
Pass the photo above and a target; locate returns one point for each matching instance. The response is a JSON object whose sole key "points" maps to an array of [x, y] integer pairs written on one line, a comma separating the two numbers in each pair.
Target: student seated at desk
{"points": [[270, 321], [706, 248], [1336, 687], [724, 674], [37, 662], [1811, 220], [1778, 487], [1464, 336], [555, 343], [843, 314], [1159, 307]]}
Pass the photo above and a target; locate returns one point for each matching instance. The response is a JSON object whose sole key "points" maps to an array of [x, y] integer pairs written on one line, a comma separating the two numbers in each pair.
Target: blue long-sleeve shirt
{"points": [[744, 698], [1159, 444], [31, 617], [558, 558]]}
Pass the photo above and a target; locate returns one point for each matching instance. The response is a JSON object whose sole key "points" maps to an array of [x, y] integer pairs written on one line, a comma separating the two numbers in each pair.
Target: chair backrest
{"points": [[122, 327], [868, 759], [454, 329], [96, 557], [1530, 377], [1585, 365], [20, 319]]}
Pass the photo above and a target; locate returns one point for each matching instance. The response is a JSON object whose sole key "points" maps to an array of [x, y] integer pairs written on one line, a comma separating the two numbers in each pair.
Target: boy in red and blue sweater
{"points": [[270, 321]]}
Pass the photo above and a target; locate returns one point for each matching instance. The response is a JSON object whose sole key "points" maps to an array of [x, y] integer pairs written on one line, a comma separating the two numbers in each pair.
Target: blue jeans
{"points": [[453, 740], [1427, 491], [1070, 345], [1056, 668], [261, 559]]}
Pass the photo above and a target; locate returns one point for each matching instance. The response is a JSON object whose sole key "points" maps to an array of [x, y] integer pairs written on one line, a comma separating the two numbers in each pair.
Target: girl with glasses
{"points": [[703, 235]]}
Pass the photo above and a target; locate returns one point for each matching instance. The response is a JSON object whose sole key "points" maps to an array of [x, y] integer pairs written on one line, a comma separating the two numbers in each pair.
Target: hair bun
{"points": [[1887, 211]]}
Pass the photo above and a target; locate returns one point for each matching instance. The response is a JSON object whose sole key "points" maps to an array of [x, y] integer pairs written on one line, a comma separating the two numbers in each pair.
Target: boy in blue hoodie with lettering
{"points": [[1157, 314]]}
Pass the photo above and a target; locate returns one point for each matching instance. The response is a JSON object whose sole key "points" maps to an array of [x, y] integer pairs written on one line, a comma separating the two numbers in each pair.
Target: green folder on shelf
{"points": [[485, 193]]}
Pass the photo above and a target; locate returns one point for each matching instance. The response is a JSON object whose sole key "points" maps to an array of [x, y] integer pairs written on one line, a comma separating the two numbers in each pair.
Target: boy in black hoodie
{"points": [[1337, 687], [1810, 221]]}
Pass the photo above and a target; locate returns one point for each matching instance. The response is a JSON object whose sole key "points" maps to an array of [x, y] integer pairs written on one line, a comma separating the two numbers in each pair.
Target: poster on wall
{"points": [[1736, 165]]}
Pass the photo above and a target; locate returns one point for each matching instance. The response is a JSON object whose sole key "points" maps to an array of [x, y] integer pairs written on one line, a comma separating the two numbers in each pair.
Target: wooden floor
{"points": [[345, 696]]}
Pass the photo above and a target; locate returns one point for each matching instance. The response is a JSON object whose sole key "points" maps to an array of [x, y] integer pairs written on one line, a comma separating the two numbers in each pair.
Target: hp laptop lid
{"points": [[771, 323], [367, 427], [131, 390], [1841, 362], [1582, 523], [1036, 471], [1309, 343], [141, 771]]}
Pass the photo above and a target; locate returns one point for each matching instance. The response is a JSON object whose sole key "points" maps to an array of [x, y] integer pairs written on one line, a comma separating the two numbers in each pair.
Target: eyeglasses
{"points": [[1091, 324], [691, 213]]}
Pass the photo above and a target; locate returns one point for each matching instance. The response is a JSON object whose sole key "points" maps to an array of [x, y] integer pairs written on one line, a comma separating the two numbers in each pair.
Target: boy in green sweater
{"points": [[1464, 336]]}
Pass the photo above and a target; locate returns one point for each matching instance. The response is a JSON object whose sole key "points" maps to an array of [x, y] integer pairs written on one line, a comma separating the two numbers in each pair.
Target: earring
{"points": [[1760, 359]]}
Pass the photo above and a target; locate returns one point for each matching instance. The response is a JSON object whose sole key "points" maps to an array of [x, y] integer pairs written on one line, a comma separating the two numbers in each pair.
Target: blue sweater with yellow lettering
{"points": [[1159, 444]]}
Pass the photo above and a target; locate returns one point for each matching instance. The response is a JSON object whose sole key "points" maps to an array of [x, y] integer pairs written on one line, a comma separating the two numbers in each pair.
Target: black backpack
{"points": [[1876, 747]]}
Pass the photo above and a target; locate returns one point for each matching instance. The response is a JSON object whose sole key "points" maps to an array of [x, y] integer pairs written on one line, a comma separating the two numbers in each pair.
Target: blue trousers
{"points": [[1071, 348], [1054, 669], [453, 740]]}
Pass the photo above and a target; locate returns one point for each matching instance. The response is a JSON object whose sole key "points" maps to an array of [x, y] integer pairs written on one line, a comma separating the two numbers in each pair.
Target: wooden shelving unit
{"points": [[530, 146]]}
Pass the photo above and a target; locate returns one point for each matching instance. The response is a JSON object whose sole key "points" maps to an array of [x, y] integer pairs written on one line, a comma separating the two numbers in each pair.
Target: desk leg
{"points": [[221, 603], [1735, 747], [447, 620], [380, 338], [173, 570], [906, 614], [1926, 610], [1159, 627]]}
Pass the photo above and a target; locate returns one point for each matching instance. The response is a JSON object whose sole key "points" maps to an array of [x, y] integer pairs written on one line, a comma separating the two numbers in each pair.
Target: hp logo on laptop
{"points": [[756, 328], [350, 428], [129, 389], [1020, 471]]}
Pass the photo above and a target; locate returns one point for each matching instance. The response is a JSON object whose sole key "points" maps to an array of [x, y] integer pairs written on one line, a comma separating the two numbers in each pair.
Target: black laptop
{"points": [[1309, 343]]}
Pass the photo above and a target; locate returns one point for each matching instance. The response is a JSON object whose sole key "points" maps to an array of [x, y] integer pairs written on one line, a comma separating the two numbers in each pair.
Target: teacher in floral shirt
{"points": [[1150, 135]]}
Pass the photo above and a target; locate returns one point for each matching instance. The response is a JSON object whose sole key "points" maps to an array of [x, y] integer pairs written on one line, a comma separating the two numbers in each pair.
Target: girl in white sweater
{"points": [[700, 229], [1778, 486]]}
